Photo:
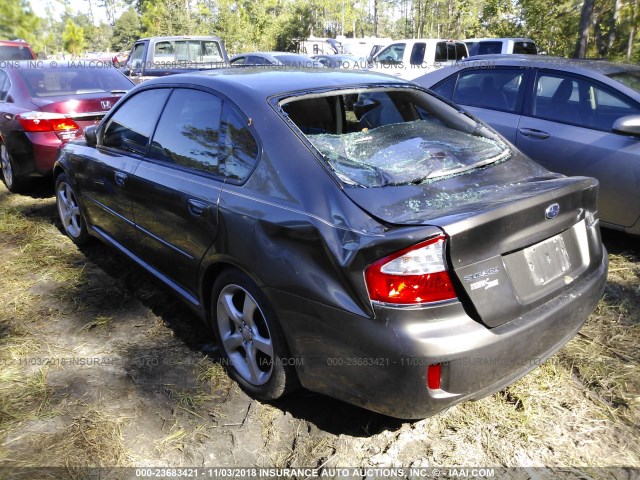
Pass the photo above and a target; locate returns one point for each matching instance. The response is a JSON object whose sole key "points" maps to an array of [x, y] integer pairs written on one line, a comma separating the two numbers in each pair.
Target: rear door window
{"points": [[498, 89], [579, 101], [201, 132]]}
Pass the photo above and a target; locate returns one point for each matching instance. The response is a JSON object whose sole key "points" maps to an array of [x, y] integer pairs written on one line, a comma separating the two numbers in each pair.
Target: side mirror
{"points": [[91, 135], [629, 125]]}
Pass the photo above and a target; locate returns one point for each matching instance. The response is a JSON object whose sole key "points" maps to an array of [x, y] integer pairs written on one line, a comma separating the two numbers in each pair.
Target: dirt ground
{"points": [[100, 366]]}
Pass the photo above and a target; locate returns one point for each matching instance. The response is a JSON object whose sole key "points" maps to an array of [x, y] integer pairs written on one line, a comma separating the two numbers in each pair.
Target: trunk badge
{"points": [[552, 211], [105, 104]]}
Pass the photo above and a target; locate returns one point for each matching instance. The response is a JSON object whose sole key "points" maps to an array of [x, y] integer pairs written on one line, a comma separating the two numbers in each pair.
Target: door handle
{"points": [[120, 178], [532, 132], [196, 207]]}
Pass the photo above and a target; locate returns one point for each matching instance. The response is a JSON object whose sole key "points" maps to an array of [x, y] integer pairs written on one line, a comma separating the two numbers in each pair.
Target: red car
{"points": [[15, 50], [45, 104]]}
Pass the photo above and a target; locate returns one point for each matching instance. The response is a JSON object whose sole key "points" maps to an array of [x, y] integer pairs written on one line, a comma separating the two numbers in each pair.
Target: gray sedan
{"points": [[577, 117]]}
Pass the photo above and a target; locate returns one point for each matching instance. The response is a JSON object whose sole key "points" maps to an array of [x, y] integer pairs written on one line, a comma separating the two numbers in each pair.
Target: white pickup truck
{"points": [[409, 59]]}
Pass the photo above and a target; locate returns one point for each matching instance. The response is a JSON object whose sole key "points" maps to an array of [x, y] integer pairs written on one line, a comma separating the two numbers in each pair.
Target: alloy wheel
{"points": [[69, 210], [245, 335], [7, 169]]}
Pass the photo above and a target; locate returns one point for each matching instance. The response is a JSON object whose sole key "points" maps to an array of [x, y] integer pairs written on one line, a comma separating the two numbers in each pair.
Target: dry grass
{"points": [[41, 274], [581, 408]]}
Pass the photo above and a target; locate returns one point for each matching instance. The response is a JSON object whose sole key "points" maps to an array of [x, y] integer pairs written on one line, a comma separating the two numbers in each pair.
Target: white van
{"points": [[413, 58], [488, 46]]}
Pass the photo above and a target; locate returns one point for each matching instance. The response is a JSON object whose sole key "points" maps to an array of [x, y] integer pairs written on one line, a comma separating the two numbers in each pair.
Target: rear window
{"points": [[527, 48], [168, 52], [378, 137], [629, 79], [50, 82], [488, 48], [15, 52]]}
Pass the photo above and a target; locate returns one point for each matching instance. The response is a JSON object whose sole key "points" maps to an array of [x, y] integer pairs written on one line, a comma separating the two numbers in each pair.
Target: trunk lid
{"points": [[518, 234], [84, 109]]}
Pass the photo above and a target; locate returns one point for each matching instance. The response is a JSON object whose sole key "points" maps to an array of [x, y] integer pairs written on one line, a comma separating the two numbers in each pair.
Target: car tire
{"points": [[13, 183], [69, 211], [251, 342]]}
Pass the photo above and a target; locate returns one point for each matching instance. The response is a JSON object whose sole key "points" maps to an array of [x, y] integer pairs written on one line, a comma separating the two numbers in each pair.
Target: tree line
{"points": [[570, 28]]}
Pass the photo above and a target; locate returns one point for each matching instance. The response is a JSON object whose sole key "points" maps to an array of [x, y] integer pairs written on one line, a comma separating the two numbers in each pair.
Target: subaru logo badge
{"points": [[105, 104], [552, 211]]}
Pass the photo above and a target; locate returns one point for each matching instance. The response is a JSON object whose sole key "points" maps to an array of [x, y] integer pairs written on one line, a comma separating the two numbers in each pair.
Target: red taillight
{"points": [[64, 127], [433, 376], [417, 274]]}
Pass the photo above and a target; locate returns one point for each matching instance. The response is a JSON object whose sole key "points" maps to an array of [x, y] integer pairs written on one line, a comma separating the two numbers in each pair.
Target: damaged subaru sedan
{"points": [[344, 231]]}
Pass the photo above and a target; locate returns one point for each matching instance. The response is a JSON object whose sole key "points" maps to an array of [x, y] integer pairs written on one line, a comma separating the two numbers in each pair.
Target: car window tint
{"points": [[461, 51], [391, 55], [163, 52], [629, 78], [489, 48], [527, 48], [417, 53], [497, 89], [4, 86], [240, 149], [138, 52], [198, 131], [132, 124], [188, 133], [579, 101], [445, 88], [15, 52]]}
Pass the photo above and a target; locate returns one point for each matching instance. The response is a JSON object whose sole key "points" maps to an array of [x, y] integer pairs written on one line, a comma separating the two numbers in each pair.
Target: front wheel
{"points": [[69, 211], [250, 338]]}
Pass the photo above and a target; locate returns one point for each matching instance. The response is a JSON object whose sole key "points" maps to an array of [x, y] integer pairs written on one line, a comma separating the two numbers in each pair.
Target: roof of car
{"points": [[501, 39], [263, 82], [18, 43], [544, 61], [180, 37]]}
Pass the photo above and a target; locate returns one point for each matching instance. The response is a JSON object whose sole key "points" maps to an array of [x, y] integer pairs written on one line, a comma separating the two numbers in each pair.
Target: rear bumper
{"points": [[381, 364]]}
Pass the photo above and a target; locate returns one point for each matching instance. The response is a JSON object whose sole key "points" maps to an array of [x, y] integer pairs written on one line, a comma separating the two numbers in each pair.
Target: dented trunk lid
{"points": [[518, 234]]}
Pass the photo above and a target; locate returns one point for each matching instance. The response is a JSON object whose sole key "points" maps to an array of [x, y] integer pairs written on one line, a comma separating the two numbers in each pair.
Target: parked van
{"points": [[413, 58], [488, 46]]}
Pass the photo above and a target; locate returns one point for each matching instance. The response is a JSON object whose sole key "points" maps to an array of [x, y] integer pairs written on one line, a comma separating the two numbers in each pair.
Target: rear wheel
{"points": [[69, 210], [250, 337], [13, 183]]}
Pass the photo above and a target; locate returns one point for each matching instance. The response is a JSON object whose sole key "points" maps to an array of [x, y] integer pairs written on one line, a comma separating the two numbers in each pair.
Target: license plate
{"points": [[547, 260]]}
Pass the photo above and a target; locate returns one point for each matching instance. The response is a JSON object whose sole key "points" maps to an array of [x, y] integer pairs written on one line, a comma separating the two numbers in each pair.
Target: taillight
{"points": [[64, 127], [415, 275]]}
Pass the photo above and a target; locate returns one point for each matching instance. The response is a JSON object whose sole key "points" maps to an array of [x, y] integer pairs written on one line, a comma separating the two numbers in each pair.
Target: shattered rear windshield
{"points": [[401, 136]]}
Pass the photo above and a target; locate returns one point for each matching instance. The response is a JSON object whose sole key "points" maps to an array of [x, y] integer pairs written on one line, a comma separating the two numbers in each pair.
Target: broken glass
{"points": [[406, 153]]}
